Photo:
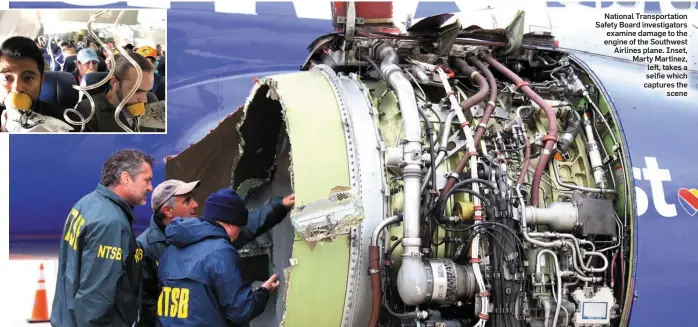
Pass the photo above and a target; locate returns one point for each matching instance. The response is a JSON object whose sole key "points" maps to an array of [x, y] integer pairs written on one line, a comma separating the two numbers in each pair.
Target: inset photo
{"points": [[83, 71]]}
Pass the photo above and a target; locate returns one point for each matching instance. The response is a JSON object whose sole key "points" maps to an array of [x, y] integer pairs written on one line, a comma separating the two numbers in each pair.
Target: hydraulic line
{"points": [[463, 67], [375, 268], [559, 181], [574, 123], [432, 157], [603, 119], [443, 147], [559, 279], [527, 158], [550, 139], [472, 151]]}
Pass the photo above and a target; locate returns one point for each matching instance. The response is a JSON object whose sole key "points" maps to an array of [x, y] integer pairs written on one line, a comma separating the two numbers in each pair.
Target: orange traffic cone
{"points": [[40, 311]]}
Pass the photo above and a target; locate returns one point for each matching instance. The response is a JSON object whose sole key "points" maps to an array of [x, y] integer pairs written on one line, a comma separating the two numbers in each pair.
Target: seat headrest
{"points": [[51, 65], [102, 66], [160, 90], [57, 88], [47, 58], [94, 78], [69, 64]]}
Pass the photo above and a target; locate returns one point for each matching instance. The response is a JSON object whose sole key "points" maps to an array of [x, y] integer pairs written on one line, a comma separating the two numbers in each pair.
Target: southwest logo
{"points": [[689, 200]]}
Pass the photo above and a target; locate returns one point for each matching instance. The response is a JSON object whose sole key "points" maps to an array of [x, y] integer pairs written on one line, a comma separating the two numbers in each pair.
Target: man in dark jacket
{"points": [[174, 198], [121, 83], [200, 274], [99, 269]]}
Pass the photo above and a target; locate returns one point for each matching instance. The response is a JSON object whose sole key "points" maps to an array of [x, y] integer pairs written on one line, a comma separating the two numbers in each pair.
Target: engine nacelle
{"points": [[498, 217]]}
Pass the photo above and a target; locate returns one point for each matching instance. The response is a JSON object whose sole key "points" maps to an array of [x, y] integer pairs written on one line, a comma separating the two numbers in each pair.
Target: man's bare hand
{"points": [[289, 201], [271, 284]]}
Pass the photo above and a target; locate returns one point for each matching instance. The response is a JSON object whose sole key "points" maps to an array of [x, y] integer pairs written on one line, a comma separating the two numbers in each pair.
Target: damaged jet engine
{"points": [[443, 177]]}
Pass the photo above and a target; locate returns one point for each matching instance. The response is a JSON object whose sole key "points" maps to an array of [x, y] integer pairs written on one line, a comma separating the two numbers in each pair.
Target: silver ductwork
{"points": [[559, 216], [586, 215], [412, 280]]}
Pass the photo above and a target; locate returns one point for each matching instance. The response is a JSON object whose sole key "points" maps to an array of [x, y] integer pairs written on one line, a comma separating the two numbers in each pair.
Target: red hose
{"points": [[549, 139], [613, 266], [374, 266], [469, 102], [489, 108]]}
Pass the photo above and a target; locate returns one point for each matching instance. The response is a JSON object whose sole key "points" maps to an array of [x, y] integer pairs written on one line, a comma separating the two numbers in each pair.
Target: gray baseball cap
{"points": [[170, 188]]}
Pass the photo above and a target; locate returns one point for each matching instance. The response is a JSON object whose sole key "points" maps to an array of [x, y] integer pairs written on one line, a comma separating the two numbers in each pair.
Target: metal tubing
{"points": [[412, 280]]}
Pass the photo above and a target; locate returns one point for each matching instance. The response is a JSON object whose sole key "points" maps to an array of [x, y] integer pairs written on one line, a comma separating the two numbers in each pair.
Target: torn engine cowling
{"points": [[459, 188]]}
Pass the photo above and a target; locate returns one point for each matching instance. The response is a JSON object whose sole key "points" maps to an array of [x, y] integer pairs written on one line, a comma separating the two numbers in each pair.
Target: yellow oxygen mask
{"points": [[136, 109], [19, 101]]}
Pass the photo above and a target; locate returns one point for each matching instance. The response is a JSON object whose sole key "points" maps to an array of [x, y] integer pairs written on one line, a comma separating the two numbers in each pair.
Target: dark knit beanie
{"points": [[226, 206]]}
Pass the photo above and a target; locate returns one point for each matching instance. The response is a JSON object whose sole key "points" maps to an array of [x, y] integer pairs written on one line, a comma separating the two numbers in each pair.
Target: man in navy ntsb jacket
{"points": [[199, 272], [172, 199]]}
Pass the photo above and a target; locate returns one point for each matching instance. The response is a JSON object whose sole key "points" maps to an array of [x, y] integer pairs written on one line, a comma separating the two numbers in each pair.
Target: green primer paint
{"points": [[317, 282]]}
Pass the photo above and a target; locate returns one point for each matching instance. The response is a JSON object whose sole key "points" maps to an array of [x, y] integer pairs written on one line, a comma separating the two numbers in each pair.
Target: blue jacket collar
{"points": [[182, 232], [109, 194], [155, 234]]}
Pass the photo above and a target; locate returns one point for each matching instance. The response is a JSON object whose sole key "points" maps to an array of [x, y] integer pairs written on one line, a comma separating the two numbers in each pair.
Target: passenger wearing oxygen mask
{"points": [[120, 84], [21, 74]]}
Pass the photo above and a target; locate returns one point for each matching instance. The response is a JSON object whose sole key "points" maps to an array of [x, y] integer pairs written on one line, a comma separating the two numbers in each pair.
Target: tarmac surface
{"points": [[20, 283]]}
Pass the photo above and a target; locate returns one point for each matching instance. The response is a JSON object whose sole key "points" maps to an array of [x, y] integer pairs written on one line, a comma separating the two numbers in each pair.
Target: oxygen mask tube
{"points": [[136, 110], [60, 65], [49, 49], [83, 89]]}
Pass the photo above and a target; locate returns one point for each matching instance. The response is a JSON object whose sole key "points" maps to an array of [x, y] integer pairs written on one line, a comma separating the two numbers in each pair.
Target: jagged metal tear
{"points": [[207, 161], [216, 159], [323, 220], [212, 160]]}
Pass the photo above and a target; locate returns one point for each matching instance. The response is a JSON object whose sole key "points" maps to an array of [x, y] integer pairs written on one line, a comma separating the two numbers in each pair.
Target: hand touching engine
{"points": [[289, 201], [271, 284]]}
